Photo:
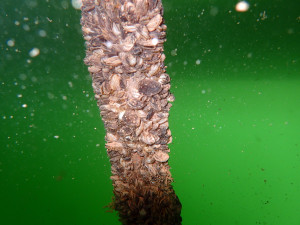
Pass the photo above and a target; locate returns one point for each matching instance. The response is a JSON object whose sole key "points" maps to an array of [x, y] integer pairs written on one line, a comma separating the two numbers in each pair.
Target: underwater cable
{"points": [[124, 41]]}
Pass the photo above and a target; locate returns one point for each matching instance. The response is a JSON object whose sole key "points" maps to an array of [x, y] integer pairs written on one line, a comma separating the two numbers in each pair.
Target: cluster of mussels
{"points": [[124, 40]]}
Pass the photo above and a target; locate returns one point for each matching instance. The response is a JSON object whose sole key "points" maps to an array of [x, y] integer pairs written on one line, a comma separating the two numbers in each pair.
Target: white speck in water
{"points": [[214, 11], [32, 3], [174, 52], [203, 91], [42, 33], [77, 4], [70, 84], [26, 27], [50, 95], [263, 15], [154, 41], [22, 76], [11, 42], [242, 6], [64, 4], [64, 106], [290, 31], [50, 20], [24, 106], [17, 23], [185, 63], [19, 95], [75, 76], [198, 61], [108, 44], [33, 79], [56, 136], [34, 52], [64, 97]]}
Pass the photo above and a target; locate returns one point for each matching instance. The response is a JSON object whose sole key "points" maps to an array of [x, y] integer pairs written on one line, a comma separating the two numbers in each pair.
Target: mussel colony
{"points": [[124, 41]]}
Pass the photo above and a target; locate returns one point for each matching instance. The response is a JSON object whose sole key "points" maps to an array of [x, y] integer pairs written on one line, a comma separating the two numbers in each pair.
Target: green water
{"points": [[235, 122]]}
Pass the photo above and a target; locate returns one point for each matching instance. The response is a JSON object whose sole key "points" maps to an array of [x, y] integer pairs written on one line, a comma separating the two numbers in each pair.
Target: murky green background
{"points": [[235, 122]]}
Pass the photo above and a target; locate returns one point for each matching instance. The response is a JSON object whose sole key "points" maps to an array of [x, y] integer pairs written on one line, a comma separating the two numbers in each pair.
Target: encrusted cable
{"points": [[124, 40]]}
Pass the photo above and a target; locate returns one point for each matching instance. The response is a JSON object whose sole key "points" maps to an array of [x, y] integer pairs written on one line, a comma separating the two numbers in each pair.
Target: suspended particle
{"points": [[242, 6], [26, 27], [42, 33], [174, 52], [11, 42], [76, 4], [34, 52]]}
